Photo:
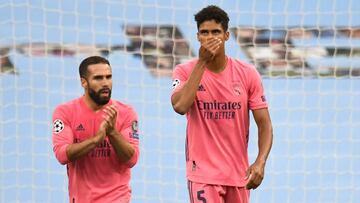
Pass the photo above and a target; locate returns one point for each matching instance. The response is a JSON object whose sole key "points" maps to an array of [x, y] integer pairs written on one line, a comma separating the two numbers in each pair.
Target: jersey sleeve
{"points": [[257, 98], [62, 134], [130, 131], [179, 78]]}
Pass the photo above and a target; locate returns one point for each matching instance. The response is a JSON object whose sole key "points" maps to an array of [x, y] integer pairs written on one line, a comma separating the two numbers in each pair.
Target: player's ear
{"points": [[198, 36], [84, 83], [227, 35]]}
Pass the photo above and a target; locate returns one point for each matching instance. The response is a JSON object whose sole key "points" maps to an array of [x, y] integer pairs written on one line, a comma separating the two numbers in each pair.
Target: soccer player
{"points": [[97, 138], [216, 93]]}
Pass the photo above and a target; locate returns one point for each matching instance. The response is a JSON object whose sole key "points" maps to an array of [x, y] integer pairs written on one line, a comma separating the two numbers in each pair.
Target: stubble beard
{"points": [[97, 98]]}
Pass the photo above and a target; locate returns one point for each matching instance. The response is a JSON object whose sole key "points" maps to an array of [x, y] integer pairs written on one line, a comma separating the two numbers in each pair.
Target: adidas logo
{"points": [[80, 128], [201, 88]]}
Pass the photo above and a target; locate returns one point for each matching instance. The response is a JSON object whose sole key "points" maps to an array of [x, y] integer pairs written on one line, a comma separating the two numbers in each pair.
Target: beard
{"points": [[97, 98]]}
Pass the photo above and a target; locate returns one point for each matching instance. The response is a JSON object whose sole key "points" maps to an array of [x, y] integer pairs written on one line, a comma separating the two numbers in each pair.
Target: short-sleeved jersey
{"points": [[98, 176], [218, 121]]}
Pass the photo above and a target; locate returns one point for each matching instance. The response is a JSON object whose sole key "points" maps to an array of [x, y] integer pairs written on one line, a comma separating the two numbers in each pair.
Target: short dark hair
{"points": [[212, 13], [83, 68]]}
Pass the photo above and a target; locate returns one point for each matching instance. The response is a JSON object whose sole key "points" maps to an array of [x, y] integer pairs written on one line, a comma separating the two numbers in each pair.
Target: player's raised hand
{"points": [[254, 175], [209, 48], [110, 115], [101, 133]]}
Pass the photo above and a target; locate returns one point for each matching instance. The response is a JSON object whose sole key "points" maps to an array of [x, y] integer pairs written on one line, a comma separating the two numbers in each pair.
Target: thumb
{"points": [[248, 173], [103, 124]]}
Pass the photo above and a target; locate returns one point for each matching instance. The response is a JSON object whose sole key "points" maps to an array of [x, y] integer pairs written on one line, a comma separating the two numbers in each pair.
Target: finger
{"points": [[107, 121], [256, 180], [103, 124], [254, 185], [211, 40], [110, 112], [247, 174], [111, 115], [213, 45], [112, 109], [249, 185], [213, 49], [108, 116], [106, 111], [207, 40]]}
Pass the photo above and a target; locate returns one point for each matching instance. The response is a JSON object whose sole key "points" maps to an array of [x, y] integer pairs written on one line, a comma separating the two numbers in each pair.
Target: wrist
{"points": [[261, 161], [201, 63], [112, 133], [95, 140]]}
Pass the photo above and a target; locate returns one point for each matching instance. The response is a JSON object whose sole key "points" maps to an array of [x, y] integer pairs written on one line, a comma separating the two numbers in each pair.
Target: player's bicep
{"points": [[256, 93], [131, 132], [62, 136], [178, 80]]}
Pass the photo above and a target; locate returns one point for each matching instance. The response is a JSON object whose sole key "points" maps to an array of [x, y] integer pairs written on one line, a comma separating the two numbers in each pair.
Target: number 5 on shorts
{"points": [[199, 197]]}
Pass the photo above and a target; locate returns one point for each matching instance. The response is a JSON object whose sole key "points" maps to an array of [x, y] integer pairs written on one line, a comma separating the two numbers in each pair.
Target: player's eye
{"points": [[216, 32], [204, 32]]}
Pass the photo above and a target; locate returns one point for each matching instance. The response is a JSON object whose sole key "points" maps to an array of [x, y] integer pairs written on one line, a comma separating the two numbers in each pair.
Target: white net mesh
{"points": [[307, 51]]}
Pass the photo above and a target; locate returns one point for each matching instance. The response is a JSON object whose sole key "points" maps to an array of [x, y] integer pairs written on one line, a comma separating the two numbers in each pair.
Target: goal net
{"points": [[308, 53]]}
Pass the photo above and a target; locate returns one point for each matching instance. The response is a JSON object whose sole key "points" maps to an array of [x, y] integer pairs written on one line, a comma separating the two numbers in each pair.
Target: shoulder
{"points": [[125, 111], [65, 111], [244, 68], [188, 64], [239, 64], [124, 108], [186, 67], [68, 106]]}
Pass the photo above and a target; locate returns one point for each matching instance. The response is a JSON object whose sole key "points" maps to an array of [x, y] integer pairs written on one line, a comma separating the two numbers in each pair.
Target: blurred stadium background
{"points": [[308, 53]]}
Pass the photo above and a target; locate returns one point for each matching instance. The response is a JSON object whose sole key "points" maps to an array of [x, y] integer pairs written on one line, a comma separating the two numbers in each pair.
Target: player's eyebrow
{"points": [[208, 30], [102, 76]]}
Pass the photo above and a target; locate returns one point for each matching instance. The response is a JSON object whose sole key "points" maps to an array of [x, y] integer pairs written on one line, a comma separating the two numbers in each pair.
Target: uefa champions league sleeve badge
{"points": [[58, 126], [175, 83]]}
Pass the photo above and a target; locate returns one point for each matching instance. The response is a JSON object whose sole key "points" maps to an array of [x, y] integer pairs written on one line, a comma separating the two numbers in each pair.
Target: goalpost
{"points": [[308, 53]]}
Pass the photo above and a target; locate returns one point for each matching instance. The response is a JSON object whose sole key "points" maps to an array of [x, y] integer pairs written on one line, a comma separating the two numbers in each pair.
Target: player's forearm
{"points": [[183, 99], [264, 141], [124, 150], [77, 150]]}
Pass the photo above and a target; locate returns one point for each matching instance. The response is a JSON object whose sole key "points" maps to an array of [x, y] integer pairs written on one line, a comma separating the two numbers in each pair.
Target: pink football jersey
{"points": [[98, 176], [218, 121]]}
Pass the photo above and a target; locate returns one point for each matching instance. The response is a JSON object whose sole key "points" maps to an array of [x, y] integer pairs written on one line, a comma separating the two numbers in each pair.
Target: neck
{"points": [[218, 64], [91, 104]]}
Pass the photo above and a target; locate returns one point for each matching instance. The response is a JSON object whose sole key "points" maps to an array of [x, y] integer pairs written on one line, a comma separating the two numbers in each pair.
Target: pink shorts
{"points": [[205, 193]]}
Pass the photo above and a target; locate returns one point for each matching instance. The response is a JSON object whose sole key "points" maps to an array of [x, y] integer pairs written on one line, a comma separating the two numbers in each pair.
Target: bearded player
{"points": [[97, 138]]}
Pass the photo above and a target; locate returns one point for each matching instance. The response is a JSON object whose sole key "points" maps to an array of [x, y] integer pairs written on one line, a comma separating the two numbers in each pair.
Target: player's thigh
{"points": [[237, 194], [205, 193]]}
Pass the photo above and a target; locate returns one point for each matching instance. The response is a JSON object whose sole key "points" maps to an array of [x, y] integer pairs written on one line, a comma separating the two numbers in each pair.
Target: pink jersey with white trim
{"points": [[218, 121], [99, 176]]}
